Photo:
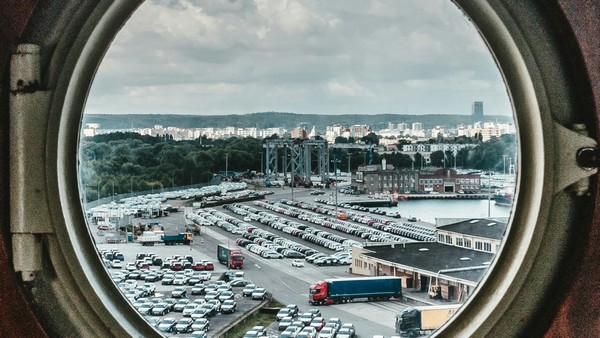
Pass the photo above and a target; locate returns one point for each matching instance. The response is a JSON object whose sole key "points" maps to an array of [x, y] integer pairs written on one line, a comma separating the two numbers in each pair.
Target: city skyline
{"points": [[232, 57]]}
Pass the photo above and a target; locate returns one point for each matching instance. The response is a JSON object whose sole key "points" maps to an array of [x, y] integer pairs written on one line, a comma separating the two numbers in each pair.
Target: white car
{"points": [[298, 263], [204, 275]]}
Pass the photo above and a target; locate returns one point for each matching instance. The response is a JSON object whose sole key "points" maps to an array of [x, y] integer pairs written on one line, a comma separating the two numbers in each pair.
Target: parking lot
{"points": [[279, 224], [164, 292]]}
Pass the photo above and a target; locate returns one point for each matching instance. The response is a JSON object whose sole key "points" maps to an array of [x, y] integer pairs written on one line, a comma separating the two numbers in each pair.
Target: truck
{"points": [[342, 290], [180, 238], [232, 257], [149, 238], [423, 319]]}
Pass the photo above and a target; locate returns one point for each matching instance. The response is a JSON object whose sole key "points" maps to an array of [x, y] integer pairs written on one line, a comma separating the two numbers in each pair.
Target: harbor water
{"points": [[430, 209]]}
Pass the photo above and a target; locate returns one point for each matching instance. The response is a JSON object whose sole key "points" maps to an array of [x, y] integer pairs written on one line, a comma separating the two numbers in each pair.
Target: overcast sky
{"points": [[325, 57]]}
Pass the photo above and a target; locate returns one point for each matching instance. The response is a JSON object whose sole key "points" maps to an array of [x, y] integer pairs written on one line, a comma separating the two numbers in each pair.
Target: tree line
{"points": [[119, 163]]}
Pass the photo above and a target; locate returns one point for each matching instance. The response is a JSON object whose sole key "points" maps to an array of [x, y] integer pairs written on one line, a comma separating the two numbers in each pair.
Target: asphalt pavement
{"points": [[288, 284]]}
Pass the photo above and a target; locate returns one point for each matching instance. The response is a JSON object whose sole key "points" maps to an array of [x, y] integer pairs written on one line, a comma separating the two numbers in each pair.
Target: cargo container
{"points": [[423, 319], [149, 238], [341, 290], [232, 257]]}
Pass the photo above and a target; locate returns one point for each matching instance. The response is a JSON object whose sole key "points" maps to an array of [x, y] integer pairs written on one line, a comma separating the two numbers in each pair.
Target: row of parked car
{"points": [[378, 229], [325, 239], [338, 258], [311, 324]]}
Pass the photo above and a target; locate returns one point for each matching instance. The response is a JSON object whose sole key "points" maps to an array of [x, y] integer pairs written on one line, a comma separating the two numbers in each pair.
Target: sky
{"points": [[314, 57]]}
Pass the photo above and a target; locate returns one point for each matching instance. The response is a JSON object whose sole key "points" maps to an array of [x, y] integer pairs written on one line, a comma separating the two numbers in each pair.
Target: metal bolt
{"points": [[588, 158]]}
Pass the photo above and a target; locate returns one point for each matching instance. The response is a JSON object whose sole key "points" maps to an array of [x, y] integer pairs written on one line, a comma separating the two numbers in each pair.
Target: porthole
{"points": [[509, 276]]}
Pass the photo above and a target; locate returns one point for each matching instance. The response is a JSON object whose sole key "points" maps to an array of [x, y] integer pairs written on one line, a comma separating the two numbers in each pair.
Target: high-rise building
{"points": [[417, 126], [477, 111]]}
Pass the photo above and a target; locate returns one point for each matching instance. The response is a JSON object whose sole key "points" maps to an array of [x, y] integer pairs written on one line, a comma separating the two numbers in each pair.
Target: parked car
{"points": [[160, 309], [184, 325], [167, 324], [306, 318], [225, 295], [199, 334], [239, 283], [345, 332], [298, 263], [179, 292], [146, 308], [318, 323], [201, 324], [212, 295], [284, 323], [228, 306], [178, 307], [248, 289], [284, 312], [198, 289], [327, 332], [259, 294], [200, 312], [188, 309]]}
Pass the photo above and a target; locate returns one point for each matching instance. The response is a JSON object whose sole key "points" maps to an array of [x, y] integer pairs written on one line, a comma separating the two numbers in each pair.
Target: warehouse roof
{"points": [[435, 258], [480, 227]]}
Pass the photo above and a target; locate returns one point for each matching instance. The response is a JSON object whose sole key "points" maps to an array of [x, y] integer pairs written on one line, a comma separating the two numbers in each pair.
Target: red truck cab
{"points": [[318, 293]]}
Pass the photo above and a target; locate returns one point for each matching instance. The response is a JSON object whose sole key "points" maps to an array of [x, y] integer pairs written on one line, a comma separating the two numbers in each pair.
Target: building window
{"points": [[459, 242], [441, 238], [478, 245], [449, 239], [487, 247], [467, 243]]}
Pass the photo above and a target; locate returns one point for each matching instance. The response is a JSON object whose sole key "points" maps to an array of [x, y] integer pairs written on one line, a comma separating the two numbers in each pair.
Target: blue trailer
{"points": [[341, 290]]}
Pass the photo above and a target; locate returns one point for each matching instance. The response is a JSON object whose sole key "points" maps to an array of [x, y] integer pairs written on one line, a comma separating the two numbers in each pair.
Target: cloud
{"points": [[347, 88], [304, 56]]}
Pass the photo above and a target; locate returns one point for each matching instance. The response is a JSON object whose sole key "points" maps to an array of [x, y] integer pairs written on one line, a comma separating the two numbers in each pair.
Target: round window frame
{"points": [[508, 298]]}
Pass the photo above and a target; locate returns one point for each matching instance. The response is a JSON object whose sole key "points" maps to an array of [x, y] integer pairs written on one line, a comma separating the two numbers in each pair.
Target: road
{"points": [[289, 285]]}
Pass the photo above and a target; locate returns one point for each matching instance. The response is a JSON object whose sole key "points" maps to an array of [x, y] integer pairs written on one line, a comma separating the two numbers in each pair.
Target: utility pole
{"points": [[226, 164], [292, 176], [489, 192], [349, 171], [504, 164]]}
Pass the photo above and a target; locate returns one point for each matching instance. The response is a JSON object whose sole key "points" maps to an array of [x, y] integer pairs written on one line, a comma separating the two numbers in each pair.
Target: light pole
{"points": [[489, 192], [226, 164], [504, 164], [335, 161], [292, 175]]}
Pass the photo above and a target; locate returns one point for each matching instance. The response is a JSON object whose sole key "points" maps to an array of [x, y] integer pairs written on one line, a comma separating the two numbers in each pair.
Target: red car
{"points": [[198, 266], [209, 266]]}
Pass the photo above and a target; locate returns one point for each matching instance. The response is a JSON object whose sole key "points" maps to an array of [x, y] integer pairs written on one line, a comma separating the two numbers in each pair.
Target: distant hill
{"points": [[276, 119]]}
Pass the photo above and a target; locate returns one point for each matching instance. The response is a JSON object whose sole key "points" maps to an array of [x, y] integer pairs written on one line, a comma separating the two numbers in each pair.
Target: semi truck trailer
{"points": [[149, 238], [341, 290], [232, 257], [423, 319]]}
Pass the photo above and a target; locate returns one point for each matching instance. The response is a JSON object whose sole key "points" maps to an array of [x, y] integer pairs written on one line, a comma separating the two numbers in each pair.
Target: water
{"points": [[429, 210]]}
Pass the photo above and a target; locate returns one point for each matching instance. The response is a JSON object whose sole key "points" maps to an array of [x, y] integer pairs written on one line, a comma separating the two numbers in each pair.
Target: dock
{"points": [[446, 196]]}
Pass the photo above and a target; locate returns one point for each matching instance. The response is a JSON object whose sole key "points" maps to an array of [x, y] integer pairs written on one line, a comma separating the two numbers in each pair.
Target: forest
{"points": [[119, 163]]}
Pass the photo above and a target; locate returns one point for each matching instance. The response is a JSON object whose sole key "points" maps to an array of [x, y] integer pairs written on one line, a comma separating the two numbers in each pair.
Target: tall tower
{"points": [[477, 111]]}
